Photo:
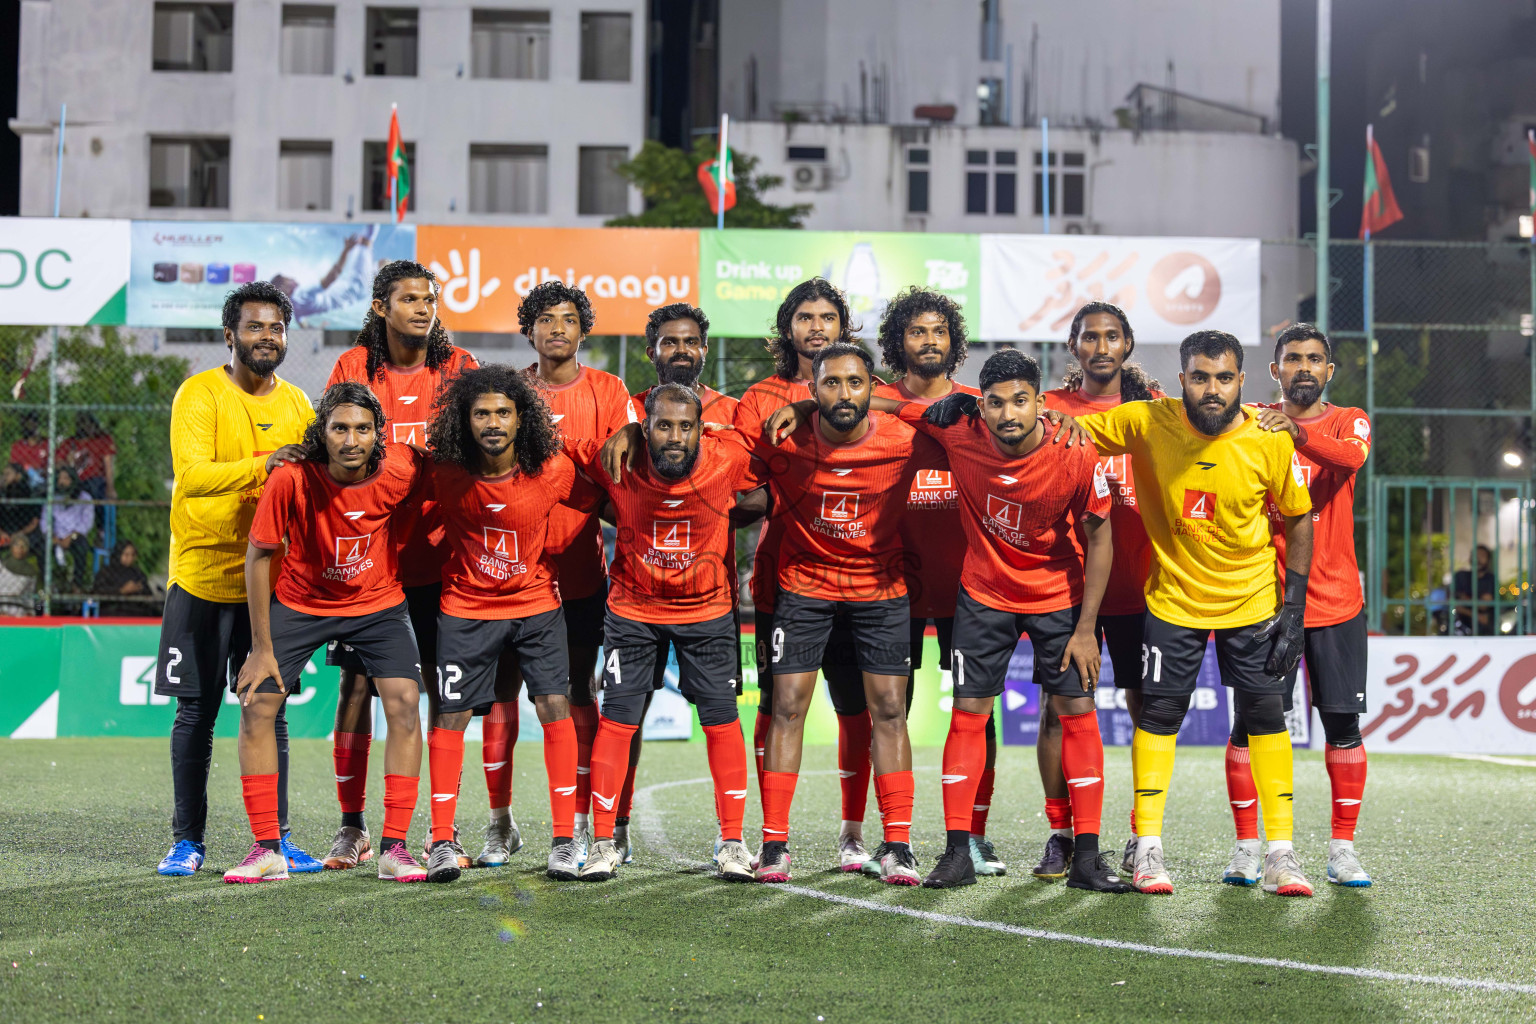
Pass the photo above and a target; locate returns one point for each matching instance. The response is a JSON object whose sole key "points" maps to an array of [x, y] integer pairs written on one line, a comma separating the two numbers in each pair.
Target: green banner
{"points": [[745, 274]]}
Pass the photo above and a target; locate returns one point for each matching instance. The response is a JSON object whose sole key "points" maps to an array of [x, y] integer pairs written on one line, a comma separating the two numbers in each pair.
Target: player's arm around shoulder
{"points": [[1114, 431]]}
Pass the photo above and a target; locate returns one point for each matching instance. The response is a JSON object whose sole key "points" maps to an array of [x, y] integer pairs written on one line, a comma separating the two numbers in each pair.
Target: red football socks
{"points": [[1058, 813], [1346, 773], [560, 767], [584, 718], [728, 767], [894, 791], [610, 762], [778, 793], [853, 767], [983, 803], [400, 804], [260, 793], [1242, 794], [627, 793], [349, 752], [445, 763], [1082, 762], [499, 729], [964, 764], [760, 741]]}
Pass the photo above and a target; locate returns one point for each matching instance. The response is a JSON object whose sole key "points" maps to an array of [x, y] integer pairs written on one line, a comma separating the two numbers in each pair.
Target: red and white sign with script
{"points": [[1451, 695]]}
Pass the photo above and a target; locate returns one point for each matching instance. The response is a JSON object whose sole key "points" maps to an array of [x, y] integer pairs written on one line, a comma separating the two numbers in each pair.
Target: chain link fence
{"points": [[1449, 383]]}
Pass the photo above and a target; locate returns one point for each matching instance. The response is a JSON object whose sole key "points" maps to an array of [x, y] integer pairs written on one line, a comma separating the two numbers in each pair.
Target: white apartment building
{"points": [[512, 112]]}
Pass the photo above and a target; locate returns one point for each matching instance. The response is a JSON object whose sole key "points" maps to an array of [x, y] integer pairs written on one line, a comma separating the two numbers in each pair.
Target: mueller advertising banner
{"points": [[626, 272], [1031, 285], [63, 271]]}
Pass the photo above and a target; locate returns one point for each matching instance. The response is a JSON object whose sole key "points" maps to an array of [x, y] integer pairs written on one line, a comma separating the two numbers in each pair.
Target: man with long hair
{"points": [[499, 478], [404, 355], [1101, 341], [231, 427], [335, 512]]}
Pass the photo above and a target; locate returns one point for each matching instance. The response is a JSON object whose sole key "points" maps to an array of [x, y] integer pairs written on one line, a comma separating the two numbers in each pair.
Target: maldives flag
{"points": [[1380, 204], [397, 171], [709, 179]]}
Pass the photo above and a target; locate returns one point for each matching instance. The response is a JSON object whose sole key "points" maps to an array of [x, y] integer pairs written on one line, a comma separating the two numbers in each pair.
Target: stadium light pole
{"points": [[1324, 45]]}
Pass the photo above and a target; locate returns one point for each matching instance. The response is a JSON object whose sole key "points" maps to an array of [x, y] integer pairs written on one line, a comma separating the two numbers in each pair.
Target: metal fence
{"points": [[1448, 380]]}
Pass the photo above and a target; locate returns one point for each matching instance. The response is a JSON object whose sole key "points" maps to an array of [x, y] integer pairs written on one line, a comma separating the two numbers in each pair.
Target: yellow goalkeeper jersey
{"points": [[1202, 503], [220, 440]]}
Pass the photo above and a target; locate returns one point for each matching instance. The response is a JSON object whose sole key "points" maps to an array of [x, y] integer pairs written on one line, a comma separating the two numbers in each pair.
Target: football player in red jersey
{"points": [[498, 478], [404, 355], [813, 315], [677, 343], [673, 576], [339, 581], [1101, 340], [585, 405], [839, 476], [1020, 500], [922, 342], [1332, 443]]}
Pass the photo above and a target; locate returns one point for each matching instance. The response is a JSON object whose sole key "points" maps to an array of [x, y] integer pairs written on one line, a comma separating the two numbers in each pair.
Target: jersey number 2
{"points": [[446, 681]]}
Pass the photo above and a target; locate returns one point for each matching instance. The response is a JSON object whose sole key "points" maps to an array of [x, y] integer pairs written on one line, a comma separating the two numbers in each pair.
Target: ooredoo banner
{"points": [[66, 272], [1031, 285], [626, 272], [1432, 695]]}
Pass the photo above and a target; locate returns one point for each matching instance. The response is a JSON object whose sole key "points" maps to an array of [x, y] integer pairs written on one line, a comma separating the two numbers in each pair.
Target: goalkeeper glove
{"points": [[1287, 628], [946, 412]]}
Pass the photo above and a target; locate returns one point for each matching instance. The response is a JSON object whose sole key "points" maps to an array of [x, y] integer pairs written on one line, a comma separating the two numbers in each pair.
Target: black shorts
{"points": [[803, 626], [1336, 661], [708, 657], [469, 651], [382, 640], [1172, 655], [584, 618], [946, 630], [422, 605], [202, 645], [839, 665], [985, 639], [1122, 637]]}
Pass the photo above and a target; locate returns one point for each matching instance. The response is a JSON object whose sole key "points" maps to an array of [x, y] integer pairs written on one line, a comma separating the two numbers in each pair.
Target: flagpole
{"points": [[721, 155], [1368, 325], [1324, 48], [1045, 172]]}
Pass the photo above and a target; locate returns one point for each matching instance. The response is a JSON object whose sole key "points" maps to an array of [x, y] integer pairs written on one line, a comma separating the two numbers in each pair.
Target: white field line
{"points": [[1490, 759], [656, 837]]}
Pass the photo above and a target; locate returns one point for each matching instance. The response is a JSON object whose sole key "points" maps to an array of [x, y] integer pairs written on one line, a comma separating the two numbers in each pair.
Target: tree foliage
{"points": [[668, 179]]}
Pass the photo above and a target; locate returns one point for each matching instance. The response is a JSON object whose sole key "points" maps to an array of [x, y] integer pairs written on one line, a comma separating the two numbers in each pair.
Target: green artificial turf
{"points": [[94, 934]]}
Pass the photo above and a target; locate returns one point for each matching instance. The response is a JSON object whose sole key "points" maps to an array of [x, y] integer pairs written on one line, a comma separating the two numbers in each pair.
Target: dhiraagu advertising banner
{"points": [[181, 270], [745, 274], [63, 271]]}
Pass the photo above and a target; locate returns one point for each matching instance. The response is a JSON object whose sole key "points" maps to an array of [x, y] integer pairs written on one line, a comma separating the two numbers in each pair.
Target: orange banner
{"points": [[626, 272]]}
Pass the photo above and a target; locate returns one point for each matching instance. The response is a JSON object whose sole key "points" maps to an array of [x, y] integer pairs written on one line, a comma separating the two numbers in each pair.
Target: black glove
{"points": [[946, 412], [1287, 628]]}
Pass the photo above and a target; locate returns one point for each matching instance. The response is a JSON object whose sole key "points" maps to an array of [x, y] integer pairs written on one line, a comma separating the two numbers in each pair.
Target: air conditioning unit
{"points": [[811, 177]]}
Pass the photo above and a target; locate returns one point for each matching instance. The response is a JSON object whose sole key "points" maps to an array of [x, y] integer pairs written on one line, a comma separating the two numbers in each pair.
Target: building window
{"points": [[1005, 182], [508, 179], [601, 188], [917, 180], [391, 44], [510, 44], [976, 181], [189, 172], [304, 175], [376, 176], [309, 39], [605, 47], [194, 37], [1068, 184], [989, 101]]}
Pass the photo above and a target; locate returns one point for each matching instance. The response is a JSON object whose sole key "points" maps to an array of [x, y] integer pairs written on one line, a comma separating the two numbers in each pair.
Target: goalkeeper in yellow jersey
{"points": [[1203, 470]]}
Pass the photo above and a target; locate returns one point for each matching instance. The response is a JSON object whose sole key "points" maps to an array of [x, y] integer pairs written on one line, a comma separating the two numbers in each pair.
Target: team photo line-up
{"points": [[435, 525]]}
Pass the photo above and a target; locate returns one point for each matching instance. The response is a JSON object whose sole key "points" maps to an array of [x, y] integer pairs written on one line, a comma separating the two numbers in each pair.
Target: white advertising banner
{"points": [[1031, 285], [1451, 695], [63, 271]]}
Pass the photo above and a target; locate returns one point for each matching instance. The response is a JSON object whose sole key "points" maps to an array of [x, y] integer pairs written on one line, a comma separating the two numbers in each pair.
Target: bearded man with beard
{"points": [[231, 427], [677, 343], [1332, 443], [1205, 470]]}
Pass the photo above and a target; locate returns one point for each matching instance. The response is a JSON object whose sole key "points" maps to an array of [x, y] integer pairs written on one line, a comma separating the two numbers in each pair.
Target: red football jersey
{"points": [[409, 398], [762, 400], [589, 408], [1018, 513], [499, 566], [87, 455], [673, 562], [1126, 592], [930, 529], [718, 407], [1332, 447], [841, 506], [341, 547]]}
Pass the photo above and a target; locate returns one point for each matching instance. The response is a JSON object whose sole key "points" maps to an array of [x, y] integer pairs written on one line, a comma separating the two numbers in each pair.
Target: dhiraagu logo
{"points": [[67, 272]]}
